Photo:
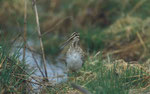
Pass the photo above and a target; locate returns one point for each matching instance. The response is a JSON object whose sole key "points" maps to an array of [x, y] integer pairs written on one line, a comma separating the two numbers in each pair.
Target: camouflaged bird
{"points": [[74, 55]]}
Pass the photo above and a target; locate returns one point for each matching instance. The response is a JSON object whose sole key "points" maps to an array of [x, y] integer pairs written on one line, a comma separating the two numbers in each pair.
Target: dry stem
{"points": [[25, 29], [138, 5], [39, 33]]}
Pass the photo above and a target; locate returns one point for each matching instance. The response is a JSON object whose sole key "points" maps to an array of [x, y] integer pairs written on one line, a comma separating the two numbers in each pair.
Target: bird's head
{"points": [[74, 38]]}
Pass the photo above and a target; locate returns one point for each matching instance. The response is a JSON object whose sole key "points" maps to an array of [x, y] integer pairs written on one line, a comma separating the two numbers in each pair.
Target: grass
{"points": [[107, 81], [95, 76], [98, 78], [13, 72]]}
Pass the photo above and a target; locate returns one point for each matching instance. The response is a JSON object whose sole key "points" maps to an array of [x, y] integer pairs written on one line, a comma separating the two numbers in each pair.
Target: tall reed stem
{"points": [[25, 29], [39, 35]]}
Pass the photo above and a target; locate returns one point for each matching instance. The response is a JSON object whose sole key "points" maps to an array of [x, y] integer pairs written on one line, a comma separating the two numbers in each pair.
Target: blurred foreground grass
{"points": [[107, 77], [99, 76], [13, 72]]}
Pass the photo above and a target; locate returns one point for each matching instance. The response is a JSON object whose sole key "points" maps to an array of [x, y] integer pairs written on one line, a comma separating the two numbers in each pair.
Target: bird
{"points": [[74, 56]]}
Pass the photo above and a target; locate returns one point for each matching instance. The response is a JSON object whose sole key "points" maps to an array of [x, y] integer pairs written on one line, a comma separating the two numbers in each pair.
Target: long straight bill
{"points": [[74, 34]]}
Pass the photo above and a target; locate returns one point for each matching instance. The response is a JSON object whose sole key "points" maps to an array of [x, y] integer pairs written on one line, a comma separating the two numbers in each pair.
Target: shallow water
{"points": [[56, 72]]}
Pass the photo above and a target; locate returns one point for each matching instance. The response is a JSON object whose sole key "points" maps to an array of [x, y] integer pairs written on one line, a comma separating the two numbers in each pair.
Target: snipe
{"points": [[74, 54]]}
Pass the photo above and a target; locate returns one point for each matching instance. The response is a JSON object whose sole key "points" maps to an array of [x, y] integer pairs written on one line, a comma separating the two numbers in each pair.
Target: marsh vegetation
{"points": [[114, 34]]}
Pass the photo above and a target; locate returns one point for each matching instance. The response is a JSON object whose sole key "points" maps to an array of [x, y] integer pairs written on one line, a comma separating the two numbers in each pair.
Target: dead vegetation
{"points": [[130, 38]]}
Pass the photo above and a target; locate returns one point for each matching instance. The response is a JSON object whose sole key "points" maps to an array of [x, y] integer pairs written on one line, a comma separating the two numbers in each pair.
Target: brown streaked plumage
{"points": [[74, 54]]}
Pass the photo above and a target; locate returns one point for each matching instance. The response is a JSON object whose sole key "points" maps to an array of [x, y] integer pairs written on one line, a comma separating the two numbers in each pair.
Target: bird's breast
{"points": [[74, 61]]}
